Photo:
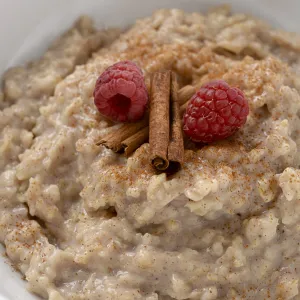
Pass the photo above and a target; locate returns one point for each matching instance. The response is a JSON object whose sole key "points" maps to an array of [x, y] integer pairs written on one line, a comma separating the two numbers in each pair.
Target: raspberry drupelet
{"points": [[120, 93], [215, 112]]}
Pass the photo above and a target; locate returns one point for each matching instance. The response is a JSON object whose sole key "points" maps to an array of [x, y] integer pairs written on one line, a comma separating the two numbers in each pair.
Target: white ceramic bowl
{"points": [[28, 26]]}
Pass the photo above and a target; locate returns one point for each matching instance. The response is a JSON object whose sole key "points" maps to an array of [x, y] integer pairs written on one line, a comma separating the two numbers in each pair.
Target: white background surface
{"points": [[28, 26]]}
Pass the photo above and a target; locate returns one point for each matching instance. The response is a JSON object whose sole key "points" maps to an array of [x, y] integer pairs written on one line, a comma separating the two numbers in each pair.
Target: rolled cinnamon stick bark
{"points": [[159, 120], [135, 141], [114, 139], [130, 136], [176, 145]]}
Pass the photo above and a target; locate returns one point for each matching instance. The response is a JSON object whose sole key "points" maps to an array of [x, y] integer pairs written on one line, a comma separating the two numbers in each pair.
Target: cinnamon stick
{"points": [[130, 136], [114, 140], [135, 141], [159, 129], [142, 136], [176, 146]]}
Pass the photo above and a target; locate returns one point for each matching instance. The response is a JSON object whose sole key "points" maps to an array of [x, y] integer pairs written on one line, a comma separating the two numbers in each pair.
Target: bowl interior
{"points": [[29, 29]]}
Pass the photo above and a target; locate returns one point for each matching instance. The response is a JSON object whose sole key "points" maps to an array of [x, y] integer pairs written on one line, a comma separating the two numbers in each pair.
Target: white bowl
{"points": [[28, 26]]}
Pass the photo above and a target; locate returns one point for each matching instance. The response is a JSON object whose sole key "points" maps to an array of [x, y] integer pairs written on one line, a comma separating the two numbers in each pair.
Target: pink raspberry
{"points": [[215, 112], [120, 93]]}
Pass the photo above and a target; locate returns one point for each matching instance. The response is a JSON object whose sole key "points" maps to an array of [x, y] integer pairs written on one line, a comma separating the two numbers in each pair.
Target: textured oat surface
{"points": [[81, 222]]}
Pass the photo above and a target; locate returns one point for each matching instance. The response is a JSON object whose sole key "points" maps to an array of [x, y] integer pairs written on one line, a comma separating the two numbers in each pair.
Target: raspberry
{"points": [[120, 93], [215, 112]]}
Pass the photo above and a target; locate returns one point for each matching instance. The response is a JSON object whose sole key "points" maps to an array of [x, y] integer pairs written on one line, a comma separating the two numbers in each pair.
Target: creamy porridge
{"points": [[81, 222]]}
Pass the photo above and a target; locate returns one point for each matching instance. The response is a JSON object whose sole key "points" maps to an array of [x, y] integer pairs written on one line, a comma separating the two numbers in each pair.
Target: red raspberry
{"points": [[120, 92], [215, 112]]}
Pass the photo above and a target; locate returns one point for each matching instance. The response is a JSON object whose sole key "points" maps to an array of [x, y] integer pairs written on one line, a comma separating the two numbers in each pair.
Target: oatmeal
{"points": [[82, 222]]}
